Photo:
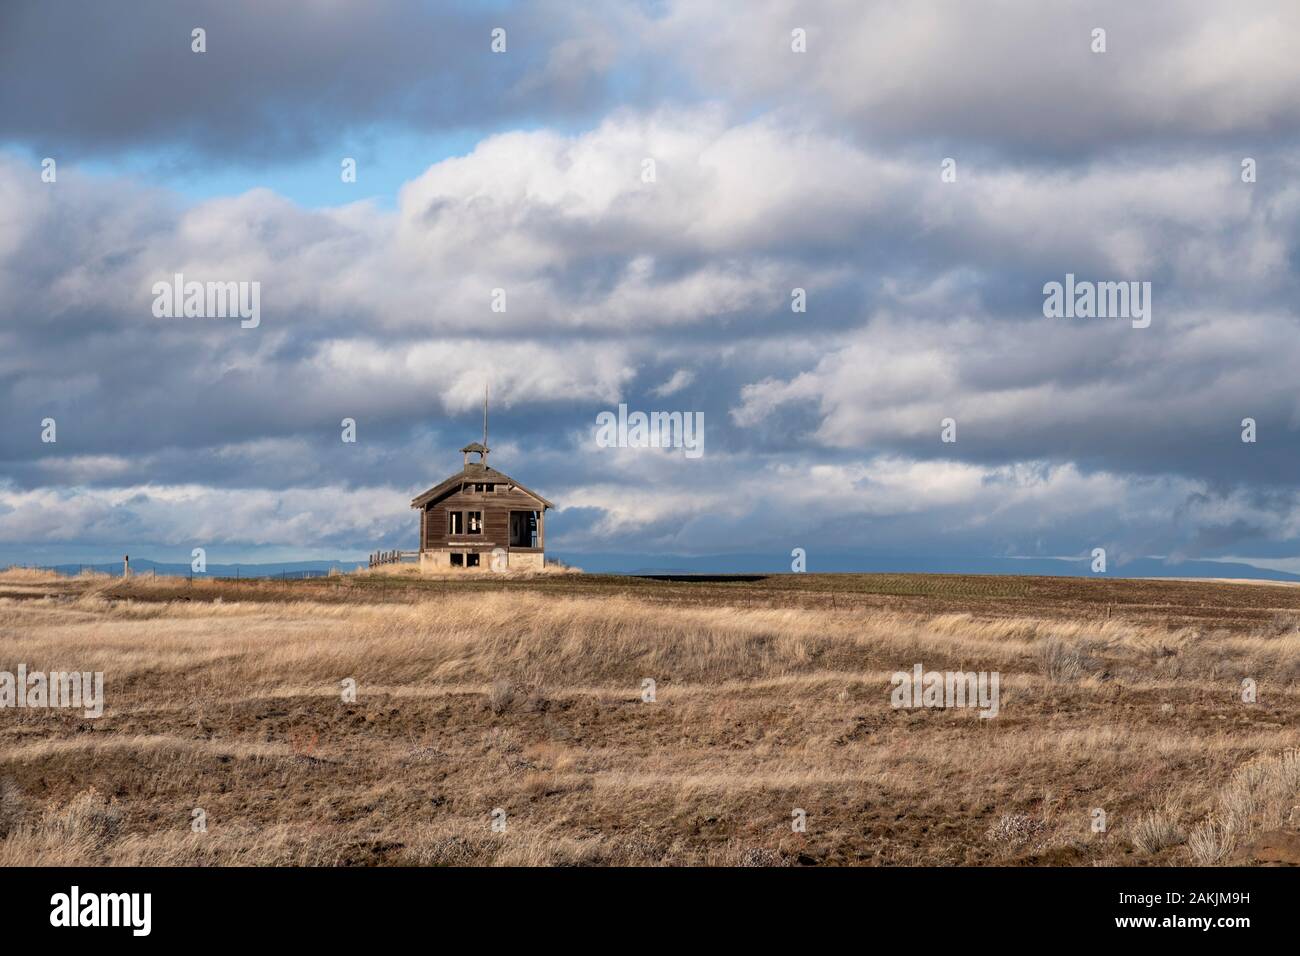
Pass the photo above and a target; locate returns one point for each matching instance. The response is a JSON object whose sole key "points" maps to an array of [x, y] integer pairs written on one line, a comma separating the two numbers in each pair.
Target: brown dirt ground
{"points": [[773, 695]]}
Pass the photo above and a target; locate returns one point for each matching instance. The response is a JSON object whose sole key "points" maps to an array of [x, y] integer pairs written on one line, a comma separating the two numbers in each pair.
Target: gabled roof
{"points": [[472, 473]]}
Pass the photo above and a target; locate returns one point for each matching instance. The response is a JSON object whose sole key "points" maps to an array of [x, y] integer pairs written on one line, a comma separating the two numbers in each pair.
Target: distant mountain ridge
{"points": [[752, 564], [270, 570], [842, 563]]}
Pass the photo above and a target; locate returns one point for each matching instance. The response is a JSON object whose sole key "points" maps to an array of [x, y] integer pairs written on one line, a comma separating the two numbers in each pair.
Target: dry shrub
{"points": [[423, 755], [537, 784], [501, 740], [1283, 623], [761, 856], [501, 697], [642, 849], [536, 702], [76, 834], [1209, 843], [1064, 663], [13, 807], [446, 845], [1014, 830], [434, 849], [735, 854], [549, 848], [88, 816], [1259, 797], [1158, 829]]}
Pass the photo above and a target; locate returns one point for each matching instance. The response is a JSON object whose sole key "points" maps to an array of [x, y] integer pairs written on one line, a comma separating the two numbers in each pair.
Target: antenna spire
{"points": [[485, 404]]}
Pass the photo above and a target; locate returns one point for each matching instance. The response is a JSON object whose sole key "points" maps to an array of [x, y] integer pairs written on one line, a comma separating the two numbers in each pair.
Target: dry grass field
{"points": [[772, 695]]}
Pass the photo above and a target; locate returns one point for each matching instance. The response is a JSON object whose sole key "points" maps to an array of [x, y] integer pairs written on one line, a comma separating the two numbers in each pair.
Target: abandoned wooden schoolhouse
{"points": [[481, 518]]}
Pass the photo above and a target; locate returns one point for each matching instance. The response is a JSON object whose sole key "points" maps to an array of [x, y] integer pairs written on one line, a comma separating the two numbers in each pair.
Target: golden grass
{"points": [[17, 575], [532, 703]]}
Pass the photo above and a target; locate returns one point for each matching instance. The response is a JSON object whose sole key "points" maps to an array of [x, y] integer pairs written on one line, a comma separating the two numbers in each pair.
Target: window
{"points": [[457, 560], [475, 519], [471, 560], [483, 488], [524, 530], [455, 522]]}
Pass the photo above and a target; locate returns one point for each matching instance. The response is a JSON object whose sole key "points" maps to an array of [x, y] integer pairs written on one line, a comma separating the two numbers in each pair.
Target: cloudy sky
{"points": [[525, 170]]}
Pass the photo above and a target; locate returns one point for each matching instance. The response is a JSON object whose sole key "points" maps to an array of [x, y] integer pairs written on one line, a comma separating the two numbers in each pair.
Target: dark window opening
{"points": [[471, 560], [523, 529], [457, 560], [475, 521], [455, 522]]}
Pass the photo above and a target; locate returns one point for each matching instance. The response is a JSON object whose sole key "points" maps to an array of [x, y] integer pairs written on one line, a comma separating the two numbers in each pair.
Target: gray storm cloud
{"points": [[924, 296]]}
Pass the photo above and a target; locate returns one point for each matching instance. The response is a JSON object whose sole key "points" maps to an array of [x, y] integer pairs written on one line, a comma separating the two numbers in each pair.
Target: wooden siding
{"points": [[496, 507]]}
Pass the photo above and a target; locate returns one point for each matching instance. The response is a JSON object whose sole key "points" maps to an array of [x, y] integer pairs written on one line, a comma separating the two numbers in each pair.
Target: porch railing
{"points": [[392, 557]]}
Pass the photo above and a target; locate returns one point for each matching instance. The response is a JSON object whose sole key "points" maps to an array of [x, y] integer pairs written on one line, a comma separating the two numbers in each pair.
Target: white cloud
{"points": [[923, 299], [1020, 76], [680, 379], [201, 516]]}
